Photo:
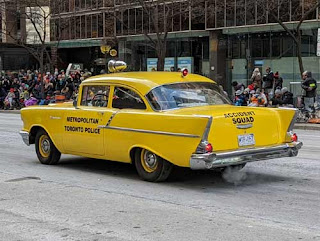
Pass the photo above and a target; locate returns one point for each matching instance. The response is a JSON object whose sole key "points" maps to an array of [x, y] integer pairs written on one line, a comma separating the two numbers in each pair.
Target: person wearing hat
{"points": [[287, 96], [277, 99], [278, 81], [240, 99], [9, 99], [309, 85]]}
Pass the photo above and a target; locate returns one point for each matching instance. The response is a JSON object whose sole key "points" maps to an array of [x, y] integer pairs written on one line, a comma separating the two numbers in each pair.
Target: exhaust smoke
{"points": [[234, 175]]}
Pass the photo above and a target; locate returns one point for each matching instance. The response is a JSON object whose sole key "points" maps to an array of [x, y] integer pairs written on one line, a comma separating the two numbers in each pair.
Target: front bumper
{"points": [[223, 159], [25, 137]]}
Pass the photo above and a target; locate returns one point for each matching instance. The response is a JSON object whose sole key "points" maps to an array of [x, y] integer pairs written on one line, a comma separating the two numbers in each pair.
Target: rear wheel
{"points": [[151, 167], [46, 151]]}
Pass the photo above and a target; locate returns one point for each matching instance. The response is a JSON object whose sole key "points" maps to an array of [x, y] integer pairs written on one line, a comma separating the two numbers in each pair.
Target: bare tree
{"points": [[159, 15], [301, 12], [36, 14]]}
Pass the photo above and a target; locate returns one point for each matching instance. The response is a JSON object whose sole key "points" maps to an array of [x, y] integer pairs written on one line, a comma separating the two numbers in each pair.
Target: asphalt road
{"points": [[86, 199]]}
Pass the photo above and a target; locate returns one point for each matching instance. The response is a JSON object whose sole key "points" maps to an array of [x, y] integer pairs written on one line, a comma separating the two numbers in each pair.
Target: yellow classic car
{"points": [[155, 120]]}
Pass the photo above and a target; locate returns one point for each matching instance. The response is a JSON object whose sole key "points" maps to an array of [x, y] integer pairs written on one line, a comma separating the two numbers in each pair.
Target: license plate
{"points": [[246, 140]]}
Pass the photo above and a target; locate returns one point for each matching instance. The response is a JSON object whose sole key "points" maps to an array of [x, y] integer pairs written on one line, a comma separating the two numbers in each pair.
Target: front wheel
{"points": [[46, 151], [151, 167]]}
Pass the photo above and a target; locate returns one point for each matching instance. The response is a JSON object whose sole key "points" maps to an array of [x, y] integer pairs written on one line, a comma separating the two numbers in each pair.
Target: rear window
{"points": [[182, 95]]}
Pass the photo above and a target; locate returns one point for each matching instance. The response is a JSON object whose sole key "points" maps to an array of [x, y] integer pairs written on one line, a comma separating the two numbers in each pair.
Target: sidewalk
{"points": [[297, 126], [307, 126]]}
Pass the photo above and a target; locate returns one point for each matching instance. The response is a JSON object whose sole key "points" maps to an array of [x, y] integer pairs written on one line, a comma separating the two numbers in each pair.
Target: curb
{"points": [[310, 127], [10, 111]]}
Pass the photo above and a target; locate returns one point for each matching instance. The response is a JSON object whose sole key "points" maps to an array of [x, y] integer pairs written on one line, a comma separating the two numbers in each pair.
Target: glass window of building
{"points": [[139, 16], [100, 25], [94, 26], [119, 23], [198, 16], [296, 10], [78, 27], [220, 14], [89, 25], [82, 4], [250, 13], [77, 5], [109, 24], [176, 17], [185, 16], [230, 13], [284, 11], [132, 21], [109, 3], [261, 14], [125, 22], [83, 27], [211, 14], [240, 12], [72, 28]]}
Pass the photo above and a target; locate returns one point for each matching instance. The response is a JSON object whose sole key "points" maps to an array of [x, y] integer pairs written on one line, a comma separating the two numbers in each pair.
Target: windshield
{"points": [[190, 94]]}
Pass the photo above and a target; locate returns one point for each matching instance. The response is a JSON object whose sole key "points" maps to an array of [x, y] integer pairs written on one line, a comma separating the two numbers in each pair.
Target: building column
{"points": [[217, 58]]}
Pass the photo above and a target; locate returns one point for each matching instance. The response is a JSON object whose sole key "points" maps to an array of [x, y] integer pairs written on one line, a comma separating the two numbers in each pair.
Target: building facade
{"points": [[224, 40]]}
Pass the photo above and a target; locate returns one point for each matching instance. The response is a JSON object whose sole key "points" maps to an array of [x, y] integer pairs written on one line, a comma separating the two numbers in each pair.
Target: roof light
{"points": [[184, 72]]}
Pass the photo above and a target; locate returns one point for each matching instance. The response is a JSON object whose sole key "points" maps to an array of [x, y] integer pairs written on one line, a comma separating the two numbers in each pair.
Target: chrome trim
{"points": [[207, 130], [150, 132], [246, 126], [204, 139], [236, 157], [111, 118], [25, 137], [293, 121], [55, 117]]}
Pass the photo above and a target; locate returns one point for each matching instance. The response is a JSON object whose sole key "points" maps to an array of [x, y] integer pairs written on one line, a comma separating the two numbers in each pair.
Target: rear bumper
{"points": [[25, 137], [223, 159]]}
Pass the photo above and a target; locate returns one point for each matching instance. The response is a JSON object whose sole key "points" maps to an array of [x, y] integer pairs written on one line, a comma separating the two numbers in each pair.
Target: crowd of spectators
{"points": [[25, 88], [263, 91]]}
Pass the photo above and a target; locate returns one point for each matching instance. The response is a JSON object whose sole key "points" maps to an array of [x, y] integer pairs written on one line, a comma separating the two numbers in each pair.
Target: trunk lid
{"points": [[238, 127]]}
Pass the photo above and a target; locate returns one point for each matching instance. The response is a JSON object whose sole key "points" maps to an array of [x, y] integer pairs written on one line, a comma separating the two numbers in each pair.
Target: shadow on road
{"points": [[180, 177]]}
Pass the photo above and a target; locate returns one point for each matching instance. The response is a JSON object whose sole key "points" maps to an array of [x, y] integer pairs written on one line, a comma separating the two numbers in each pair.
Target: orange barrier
{"points": [[60, 98]]}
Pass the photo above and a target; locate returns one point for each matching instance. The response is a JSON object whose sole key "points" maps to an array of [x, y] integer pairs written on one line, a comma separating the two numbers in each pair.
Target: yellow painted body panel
{"points": [[174, 134]]}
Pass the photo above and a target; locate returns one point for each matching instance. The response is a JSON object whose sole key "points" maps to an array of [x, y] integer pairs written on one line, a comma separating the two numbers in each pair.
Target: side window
{"points": [[124, 98], [95, 95]]}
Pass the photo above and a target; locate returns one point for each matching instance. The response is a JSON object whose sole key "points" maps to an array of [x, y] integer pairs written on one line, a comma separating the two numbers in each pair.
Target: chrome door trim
{"points": [[149, 132]]}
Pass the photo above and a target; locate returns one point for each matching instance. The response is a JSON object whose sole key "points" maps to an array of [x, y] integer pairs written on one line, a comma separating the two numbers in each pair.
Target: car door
{"points": [[82, 132], [117, 140]]}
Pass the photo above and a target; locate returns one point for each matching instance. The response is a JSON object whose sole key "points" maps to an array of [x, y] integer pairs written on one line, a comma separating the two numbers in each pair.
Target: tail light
{"points": [[204, 147], [208, 148], [294, 137]]}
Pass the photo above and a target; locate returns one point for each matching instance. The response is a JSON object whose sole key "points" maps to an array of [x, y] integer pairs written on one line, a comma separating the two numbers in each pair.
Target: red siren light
{"points": [[184, 72]]}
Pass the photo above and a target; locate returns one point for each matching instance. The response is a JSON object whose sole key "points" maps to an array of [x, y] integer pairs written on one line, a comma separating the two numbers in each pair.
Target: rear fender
{"points": [[287, 118]]}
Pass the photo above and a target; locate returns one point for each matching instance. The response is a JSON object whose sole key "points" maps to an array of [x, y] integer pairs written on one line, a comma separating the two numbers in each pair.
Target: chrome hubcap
{"points": [[150, 159], [45, 146]]}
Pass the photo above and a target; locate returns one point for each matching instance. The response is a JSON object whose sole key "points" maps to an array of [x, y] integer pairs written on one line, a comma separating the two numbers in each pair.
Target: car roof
{"points": [[145, 81]]}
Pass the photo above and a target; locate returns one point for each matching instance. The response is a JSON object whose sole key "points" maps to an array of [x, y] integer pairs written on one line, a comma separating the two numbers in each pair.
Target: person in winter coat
{"points": [[287, 96], [256, 77], [309, 85], [278, 81], [268, 80]]}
